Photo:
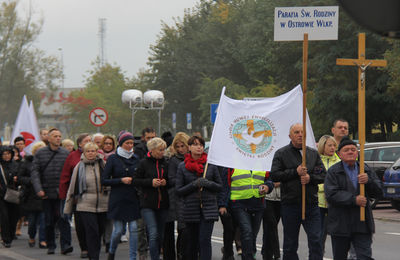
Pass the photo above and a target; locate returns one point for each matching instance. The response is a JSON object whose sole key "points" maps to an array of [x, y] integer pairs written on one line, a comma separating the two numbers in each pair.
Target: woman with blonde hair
{"points": [[68, 144], [179, 148], [327, 147], [151, 180], [89, 197]]}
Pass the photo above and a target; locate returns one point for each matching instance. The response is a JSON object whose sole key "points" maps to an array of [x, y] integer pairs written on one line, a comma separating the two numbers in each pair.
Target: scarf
{"points": [[124, 153], [80, 185], [196, 166]]}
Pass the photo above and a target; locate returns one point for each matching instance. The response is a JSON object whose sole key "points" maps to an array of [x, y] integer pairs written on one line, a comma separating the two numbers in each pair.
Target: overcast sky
{"points": [[73, 25]]}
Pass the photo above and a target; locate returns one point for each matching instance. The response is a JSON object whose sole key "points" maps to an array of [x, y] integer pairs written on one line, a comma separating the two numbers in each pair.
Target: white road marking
{"points": [[391, 233]]}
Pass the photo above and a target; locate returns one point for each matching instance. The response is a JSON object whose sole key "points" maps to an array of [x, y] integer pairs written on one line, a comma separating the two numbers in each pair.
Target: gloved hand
{"points": [[202, 182]]}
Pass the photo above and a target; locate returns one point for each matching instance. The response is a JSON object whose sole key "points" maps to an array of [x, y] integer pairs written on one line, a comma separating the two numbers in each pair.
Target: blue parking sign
{"points": [[213, 112]]}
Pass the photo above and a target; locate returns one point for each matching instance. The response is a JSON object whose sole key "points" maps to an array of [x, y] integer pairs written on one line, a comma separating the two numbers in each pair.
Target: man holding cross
{"points": [[342, 193], [287, 168]]}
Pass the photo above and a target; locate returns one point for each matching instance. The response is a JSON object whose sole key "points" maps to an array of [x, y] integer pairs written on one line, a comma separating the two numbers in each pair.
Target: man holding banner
{"points": [[287, 169]]}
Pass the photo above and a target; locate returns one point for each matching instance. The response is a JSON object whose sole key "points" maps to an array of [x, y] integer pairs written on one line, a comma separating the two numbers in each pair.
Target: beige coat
{"points": [[95, 199]]}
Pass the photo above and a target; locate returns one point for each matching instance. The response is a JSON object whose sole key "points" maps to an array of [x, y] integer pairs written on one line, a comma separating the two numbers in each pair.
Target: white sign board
{"points": [[320, 22]]}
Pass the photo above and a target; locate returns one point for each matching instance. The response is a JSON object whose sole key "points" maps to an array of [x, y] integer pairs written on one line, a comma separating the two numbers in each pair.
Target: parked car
{"points": [[380, 156], [391, 185]]}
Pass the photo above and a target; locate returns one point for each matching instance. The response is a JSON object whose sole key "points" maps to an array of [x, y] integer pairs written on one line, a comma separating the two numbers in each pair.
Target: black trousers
{"points": [[80, 231], [360, 241], [272, 214], [94, 225], [9, 215], [231, 233], [169, 241]]}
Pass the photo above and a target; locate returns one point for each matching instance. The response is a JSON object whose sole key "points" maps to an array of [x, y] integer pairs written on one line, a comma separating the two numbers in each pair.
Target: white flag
{"points": [[247, 133], [26, 125]]}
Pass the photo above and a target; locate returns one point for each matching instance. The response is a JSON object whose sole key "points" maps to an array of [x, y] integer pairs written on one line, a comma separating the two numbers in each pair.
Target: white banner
{"points": [[247, 133], [320, 22], [26, 125]]}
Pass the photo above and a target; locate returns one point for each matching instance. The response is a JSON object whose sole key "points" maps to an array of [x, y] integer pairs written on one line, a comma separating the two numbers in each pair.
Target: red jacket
{"points": [[65, 178]]}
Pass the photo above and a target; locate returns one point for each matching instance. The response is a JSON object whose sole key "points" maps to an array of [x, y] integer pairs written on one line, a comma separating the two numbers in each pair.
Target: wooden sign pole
{"points": [[303, 163], [362, 65]]}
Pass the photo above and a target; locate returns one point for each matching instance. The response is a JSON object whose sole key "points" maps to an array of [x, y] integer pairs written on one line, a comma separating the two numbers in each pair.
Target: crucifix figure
{"points": [[362, 65]]}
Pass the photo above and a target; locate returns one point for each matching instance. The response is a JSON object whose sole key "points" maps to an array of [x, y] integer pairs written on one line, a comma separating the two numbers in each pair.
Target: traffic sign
{"points": [[174, 120], [213, 112], [98, 116], [189, 121]]}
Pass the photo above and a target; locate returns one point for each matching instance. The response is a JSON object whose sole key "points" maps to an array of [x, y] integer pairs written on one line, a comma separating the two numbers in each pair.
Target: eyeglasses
{"points": [[108, 143]]}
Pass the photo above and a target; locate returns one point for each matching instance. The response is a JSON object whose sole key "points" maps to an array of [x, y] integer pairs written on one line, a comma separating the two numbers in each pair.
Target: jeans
{"points": [[361, 243], [155, 221], [291, 220], [116, 237], [35, 219], [198, 236], [52, 217], [249, 223]]}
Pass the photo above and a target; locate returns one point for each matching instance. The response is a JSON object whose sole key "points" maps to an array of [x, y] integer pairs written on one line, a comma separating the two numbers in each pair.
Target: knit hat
{"points": [[124, 137], [346, 141]]}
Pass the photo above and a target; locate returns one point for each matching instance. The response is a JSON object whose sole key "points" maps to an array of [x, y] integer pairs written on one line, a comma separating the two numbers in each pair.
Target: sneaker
{"points": [[124, 238], [51, 251]]}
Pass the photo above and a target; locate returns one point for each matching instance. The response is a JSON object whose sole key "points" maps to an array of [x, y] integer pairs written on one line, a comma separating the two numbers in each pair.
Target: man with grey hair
{"points": [[288, 170]]}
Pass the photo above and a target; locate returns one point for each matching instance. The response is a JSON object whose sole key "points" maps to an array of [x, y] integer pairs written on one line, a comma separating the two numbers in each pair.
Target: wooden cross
{"points": [[362, 65]]}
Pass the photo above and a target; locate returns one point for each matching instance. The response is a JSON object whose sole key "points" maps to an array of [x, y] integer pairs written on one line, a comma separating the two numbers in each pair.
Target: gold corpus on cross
{"points": [[362, 63]]}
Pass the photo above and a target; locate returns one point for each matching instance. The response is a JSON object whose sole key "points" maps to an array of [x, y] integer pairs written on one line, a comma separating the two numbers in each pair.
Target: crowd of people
{"points": [[148, 188]]}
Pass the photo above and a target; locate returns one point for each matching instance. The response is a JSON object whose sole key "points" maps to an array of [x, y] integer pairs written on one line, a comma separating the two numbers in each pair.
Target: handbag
{"points": [[12, 196]]}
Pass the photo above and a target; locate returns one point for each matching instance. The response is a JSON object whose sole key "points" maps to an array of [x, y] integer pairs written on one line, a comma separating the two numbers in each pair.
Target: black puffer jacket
{"points": [[10, 169], [149, 169], [284, 170], [175, 203], [343, 212], [30, 201], [193, 197], [48, 179]]}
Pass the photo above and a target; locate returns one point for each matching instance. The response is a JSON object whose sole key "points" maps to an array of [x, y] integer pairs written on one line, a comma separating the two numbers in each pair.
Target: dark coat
{"points": [[10, 169], [30, 201], [175, 202], [149, 169], [72, 160], [141, 150], [284, 170], [343, 213], [193, 197], [48, 179], [123, 202]]}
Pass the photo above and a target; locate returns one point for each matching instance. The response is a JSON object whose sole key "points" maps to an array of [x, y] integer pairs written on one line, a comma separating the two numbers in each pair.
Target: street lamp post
{"points": [[150, 100], [62, 67]]}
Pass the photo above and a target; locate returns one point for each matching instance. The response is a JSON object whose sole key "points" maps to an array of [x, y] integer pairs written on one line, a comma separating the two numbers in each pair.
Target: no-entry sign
{"points": [[98, 116]]}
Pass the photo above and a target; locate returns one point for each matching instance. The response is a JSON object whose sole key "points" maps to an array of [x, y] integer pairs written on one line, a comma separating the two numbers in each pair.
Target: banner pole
{"points": [[305, 60]]}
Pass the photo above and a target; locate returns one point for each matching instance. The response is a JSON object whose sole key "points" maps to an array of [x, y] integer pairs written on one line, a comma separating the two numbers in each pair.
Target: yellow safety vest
{"points": [[245, 183]]}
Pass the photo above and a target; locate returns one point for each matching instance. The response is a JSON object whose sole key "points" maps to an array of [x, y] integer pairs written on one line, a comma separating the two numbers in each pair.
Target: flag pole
{"points": [[303, 163]]}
